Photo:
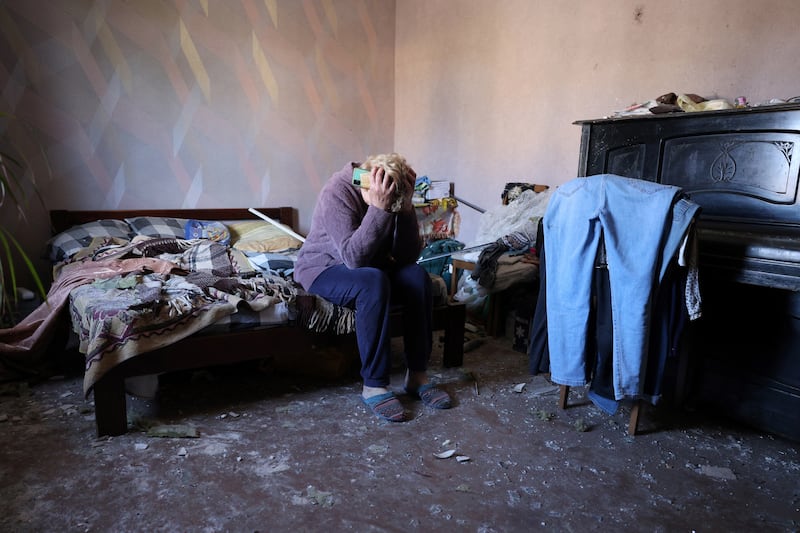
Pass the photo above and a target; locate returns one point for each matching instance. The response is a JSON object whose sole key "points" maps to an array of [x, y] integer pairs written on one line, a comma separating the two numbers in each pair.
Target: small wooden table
{"points": [[458, 265], [494, 316]]}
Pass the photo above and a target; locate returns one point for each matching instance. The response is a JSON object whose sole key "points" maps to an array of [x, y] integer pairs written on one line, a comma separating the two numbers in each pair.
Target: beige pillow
{"points": [[259, 236]]}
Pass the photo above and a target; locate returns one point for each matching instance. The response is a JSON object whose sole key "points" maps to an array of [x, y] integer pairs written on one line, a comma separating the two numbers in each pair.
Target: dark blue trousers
{"points": [[372, 292]]}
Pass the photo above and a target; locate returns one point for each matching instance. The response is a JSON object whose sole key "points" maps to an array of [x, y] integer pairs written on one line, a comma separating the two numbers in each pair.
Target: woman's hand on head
{"points": [[381, 193]]}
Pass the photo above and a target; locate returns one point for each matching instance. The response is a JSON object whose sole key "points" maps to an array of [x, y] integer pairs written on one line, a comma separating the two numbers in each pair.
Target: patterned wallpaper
{"points": [[194, 103]]}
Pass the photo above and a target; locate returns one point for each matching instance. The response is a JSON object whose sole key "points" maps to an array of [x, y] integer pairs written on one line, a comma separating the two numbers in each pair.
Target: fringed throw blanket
{"points": [[319, 315]]}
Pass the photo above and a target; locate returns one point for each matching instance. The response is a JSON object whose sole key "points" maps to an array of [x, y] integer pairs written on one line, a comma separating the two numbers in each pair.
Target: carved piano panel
{"points": [[733, 167], [750, 174]]}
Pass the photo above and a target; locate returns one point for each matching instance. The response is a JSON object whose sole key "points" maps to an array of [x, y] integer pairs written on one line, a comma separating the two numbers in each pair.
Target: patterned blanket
{"points": [[22, 346], [132, 313]]}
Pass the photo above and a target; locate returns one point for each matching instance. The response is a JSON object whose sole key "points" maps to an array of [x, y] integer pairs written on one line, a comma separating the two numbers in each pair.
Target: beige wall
{"points": [[214, 103], [153, 103], [487, 90]]}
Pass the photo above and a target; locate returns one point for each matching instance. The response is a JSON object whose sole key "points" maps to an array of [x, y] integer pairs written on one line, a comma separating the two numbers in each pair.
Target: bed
{"points": [[197, 328]]}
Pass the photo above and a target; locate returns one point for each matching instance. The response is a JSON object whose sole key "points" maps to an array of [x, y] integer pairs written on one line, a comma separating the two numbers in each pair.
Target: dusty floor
{"points": [[278, 453]]}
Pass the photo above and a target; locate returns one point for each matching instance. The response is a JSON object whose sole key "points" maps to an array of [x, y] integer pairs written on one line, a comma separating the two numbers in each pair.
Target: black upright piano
{"points": [[742, 166]]}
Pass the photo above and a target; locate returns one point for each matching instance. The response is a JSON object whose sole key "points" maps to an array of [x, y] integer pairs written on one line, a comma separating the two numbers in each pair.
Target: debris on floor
{"points": [[445, 454], [718, 472], [278, 452], [318, 497], [175, 431]]}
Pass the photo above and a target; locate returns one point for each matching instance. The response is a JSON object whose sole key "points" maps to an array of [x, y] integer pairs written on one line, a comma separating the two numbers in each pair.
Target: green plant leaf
{"points": [[15, 186], [8, 293]]}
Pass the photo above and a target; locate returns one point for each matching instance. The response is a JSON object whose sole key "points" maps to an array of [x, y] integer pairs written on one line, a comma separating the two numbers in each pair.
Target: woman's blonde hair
{"points": [[398, 170]]}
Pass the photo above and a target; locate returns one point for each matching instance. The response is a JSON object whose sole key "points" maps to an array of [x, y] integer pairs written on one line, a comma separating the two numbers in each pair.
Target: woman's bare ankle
{"points": [[369, 392]]}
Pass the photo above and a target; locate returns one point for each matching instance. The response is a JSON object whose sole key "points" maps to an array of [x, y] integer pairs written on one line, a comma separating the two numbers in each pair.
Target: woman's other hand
{"points": [[408, 190]]}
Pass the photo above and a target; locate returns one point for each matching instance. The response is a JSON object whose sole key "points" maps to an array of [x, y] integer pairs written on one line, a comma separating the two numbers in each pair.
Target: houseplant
{"points": [[16, 188]]}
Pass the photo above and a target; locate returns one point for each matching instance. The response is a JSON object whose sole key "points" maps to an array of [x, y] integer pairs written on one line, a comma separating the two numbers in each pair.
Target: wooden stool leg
{"points": [[633, 423], [454, 336], [563, 395]]}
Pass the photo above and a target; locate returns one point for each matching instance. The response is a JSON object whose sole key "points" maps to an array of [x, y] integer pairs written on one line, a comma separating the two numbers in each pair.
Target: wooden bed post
{"points": [[111, 413]]}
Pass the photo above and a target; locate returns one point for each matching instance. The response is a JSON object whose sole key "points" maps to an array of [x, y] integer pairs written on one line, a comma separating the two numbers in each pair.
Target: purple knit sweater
{"points": [[345, 230]]}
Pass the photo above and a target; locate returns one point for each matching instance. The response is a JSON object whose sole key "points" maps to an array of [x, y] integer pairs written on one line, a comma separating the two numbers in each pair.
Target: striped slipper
{"points": [[432, 396], [386, 406]]}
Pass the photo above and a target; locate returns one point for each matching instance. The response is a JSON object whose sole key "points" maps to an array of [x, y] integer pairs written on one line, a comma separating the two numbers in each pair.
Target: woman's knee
{"points": [[374, 283], [413, 284], [418, 278]]}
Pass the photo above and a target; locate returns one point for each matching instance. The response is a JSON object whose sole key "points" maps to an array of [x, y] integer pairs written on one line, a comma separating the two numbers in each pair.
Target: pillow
{"points": [[69, 242], [259, 236], [158, 226], [272, 262]]}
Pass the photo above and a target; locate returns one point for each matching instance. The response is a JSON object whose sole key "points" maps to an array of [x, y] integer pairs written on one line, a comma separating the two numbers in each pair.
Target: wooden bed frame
{"points": [[198, 351]]}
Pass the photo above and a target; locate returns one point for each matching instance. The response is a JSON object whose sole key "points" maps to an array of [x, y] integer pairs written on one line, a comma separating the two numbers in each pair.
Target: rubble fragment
{"points": [[318, 497], [718, 472], [180, 431]]}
